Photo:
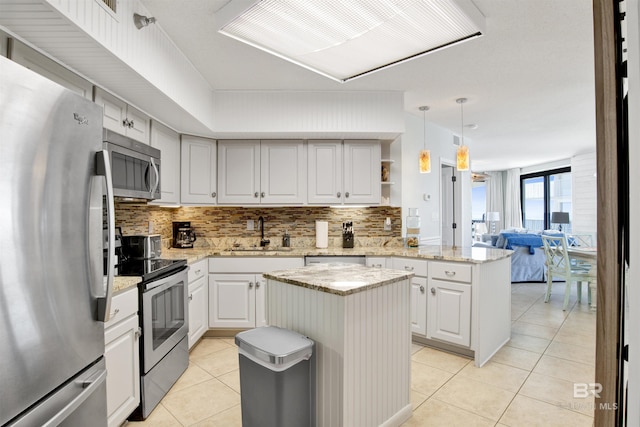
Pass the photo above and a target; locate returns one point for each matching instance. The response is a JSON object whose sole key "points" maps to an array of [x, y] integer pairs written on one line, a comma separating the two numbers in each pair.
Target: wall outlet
{"points": [[387, 224], [150, 227], [250, 225]]}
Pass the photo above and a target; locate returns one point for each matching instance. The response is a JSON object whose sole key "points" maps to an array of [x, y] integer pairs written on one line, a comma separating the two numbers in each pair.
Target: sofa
{"points": [[527, 260]]}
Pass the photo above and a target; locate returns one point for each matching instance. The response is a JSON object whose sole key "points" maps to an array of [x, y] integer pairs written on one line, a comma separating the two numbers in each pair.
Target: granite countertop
{"points": [[338, 278], [445, 253], [121, 283]]}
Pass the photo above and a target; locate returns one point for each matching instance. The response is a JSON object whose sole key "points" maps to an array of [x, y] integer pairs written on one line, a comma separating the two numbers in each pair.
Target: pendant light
{"points": [[462, 157], [425, 155]]}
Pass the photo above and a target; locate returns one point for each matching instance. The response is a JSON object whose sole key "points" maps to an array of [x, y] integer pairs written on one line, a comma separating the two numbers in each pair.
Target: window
{"points": [[542, 194], [478, 208]]}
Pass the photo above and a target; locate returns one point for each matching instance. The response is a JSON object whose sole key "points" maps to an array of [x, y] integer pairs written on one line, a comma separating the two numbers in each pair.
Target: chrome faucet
{"points": [[263, 242]]}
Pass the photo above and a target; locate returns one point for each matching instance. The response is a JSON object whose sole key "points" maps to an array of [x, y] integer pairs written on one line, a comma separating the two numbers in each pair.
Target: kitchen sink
{"points": [[261, 249]]}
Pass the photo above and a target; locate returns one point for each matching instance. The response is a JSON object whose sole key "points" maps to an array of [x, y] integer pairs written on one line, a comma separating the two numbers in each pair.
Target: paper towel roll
{"points": [[322, 234]]}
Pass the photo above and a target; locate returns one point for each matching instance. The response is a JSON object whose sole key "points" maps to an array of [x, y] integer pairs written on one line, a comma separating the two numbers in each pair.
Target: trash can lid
{"points": [[275, 346]]}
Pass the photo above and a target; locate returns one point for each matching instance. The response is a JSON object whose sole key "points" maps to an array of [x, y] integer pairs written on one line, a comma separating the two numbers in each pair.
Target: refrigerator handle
{"points": [[155, 184], [103, 167]]}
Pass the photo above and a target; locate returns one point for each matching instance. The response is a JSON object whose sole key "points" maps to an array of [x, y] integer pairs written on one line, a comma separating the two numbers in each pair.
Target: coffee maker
{"points": [[183, 234]]}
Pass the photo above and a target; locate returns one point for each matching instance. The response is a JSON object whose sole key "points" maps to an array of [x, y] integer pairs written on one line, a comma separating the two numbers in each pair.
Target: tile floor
{"points": [[529, 382]]}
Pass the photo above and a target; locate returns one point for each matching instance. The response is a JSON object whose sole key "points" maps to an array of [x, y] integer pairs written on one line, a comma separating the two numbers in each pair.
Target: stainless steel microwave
{"points": [[135, 167]]}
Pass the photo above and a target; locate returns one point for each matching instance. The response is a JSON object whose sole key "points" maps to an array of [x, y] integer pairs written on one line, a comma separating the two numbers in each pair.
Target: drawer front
{"points": [[452, 271], [416, 266], [197, 270], [123, 305]]}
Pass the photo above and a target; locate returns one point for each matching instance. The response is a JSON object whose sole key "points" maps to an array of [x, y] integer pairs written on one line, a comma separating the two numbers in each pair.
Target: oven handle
{"points": [[103, 167], [160, 285]]}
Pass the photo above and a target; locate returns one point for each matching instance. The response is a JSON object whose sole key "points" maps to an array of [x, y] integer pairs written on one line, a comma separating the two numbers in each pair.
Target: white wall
{"points": [[584, 194], [415, 186]]}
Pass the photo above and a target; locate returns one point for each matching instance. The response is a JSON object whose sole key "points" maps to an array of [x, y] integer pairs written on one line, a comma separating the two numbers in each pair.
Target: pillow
{"points": [[500, 240], [494, 239]]}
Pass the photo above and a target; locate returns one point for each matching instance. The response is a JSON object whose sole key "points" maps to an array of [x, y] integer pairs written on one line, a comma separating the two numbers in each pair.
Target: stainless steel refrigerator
{"points": [[53, 293]]}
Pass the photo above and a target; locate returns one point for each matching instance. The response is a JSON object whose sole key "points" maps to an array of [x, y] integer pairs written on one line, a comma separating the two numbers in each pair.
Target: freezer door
{"points": [[50, 267], [79, 403]]}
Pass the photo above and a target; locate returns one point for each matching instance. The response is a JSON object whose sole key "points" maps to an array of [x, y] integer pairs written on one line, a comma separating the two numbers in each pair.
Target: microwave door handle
{"points": [[103, 167], [157, 173]]}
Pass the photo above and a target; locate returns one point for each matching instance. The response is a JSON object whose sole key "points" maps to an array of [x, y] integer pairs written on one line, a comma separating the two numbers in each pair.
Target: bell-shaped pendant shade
{"points": [[425, 161], [462, 163]]}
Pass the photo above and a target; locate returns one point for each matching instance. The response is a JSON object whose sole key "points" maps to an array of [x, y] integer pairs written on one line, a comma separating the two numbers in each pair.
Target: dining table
{"points": [[587, 254]]}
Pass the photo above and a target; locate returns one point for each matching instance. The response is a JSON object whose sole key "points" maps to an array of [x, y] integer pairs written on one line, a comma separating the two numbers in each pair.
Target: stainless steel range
{"points": [[164, 354]]}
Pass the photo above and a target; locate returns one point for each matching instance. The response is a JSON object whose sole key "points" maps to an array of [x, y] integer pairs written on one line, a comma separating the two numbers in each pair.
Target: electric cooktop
{"points": [[152, 268]]}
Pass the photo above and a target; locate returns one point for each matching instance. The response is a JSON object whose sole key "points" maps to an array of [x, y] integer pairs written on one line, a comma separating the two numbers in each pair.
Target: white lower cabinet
{"points": [[378, 262], [236, 301], [449, 303], [237, 290], [419, 305], [122, 357], [198, 301], [418, 291]]}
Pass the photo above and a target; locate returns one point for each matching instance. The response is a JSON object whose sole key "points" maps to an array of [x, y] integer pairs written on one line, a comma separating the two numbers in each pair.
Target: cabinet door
{"points": [[139, 122], [239, 172], [168, 142], [114, 111], [449, 309], [324, 172], [362, 172], [198, 168], [261, 301], [419, 305], [122, 358], [283, 175], [232, 301], [198, 309]]}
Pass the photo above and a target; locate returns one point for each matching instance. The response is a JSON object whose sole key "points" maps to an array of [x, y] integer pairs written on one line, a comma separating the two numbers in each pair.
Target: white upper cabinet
{"points": [[344, 173], [121, 117], [168, 142], [261, 172], [198, 171], [324, 172], [362, 172]]}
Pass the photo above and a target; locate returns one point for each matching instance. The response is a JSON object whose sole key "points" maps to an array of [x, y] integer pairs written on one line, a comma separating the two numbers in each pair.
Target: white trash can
{"points": [[277, 378]]}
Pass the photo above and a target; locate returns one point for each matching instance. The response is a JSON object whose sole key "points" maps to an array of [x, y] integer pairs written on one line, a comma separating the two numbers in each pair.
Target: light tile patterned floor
{"points": [[529, 382]]}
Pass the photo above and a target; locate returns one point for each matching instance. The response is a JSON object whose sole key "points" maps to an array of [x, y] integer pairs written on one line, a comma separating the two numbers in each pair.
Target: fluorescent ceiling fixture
{"points": [[345, 39]]}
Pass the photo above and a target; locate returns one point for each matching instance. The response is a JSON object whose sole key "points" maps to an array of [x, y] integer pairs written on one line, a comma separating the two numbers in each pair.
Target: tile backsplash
{"points": [[222, 225]]}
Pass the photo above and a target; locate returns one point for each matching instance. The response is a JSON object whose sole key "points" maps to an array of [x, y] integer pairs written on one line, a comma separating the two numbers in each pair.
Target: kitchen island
{"points": [[359, 319]]}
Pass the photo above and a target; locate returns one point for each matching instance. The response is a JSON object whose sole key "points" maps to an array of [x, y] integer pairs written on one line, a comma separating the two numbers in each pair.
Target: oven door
{"points": [[164, 317]]}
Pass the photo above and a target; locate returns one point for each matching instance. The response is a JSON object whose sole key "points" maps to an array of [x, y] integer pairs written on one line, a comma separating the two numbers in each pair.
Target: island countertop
{"points": [[474, 255], [338, 278]]}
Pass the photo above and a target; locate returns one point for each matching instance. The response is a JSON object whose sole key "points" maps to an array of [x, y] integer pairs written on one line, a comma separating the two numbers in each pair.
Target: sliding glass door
{"points": [[546, 200]]}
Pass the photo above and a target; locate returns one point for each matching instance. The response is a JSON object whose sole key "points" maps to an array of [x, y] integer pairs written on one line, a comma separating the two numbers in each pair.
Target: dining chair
{"points": [[559, 265], [583, 241]]}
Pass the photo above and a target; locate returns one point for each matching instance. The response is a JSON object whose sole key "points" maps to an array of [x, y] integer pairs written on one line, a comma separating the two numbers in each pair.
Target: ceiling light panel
{"points": [[347, 39]]}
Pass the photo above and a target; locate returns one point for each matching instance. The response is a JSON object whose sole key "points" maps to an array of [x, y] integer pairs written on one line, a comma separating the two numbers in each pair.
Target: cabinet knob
{"points": [[421, 289], [131, 124], [257, 285], [214, 194], [262, 194], [346, 194], [114, 313], [190, 297], [138, 332], [125, 123], [339, 194], [255, 194], [433, 291], [198, 272], [250, 285]]}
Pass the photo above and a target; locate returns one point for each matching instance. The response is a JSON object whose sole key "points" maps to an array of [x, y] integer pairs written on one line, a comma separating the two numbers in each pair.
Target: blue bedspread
{"points": [[532, 241]]}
